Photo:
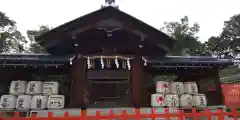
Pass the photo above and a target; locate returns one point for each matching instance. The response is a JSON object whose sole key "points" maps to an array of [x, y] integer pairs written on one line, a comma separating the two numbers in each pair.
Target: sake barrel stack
{"points": [[34, 88], [23, 102], [186, 101], [17, 87], [39, 102], [172, 103], [177, 88], [50, 88], [162, 87], [172, 100], [157, 100], [56, 102], [8, 102], [190, 87], [199, 100]]}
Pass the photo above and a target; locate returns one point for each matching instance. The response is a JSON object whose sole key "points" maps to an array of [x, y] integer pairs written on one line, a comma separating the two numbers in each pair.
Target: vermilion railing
{"points": [[233, 115]]}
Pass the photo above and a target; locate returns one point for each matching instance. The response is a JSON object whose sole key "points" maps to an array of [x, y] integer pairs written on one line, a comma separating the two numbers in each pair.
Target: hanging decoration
{"points": [[106, 61], [88, 63], [102, 62], [116, 62], [145, 61], [128, 64], [71, 60], [122, 62]]}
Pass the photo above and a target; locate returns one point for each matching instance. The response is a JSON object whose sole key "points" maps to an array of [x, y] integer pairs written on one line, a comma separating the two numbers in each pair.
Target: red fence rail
{"points": [[181, 115]]}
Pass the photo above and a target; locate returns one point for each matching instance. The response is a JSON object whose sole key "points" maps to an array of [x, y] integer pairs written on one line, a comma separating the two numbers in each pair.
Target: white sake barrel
{"points": [[17, 87], [157, 100], [56, 101], [191, 87], [186, 101], [39, 102], [8, 102], [177, 87], [23, 102], [34, 87], [50, 88], [172, 100], [162, 87], [200, 100]]}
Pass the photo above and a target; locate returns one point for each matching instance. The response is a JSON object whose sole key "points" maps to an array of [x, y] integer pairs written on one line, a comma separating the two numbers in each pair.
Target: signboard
{"points": [[231, 93]]}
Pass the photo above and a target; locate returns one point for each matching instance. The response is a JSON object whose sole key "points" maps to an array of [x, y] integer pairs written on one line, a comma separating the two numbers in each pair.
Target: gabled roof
{"points": [[64, 32]]}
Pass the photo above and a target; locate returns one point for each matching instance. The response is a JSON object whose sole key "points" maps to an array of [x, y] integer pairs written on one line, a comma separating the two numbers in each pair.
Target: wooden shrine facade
{"points": [[203, 70], [106, 32], [109, 32]]}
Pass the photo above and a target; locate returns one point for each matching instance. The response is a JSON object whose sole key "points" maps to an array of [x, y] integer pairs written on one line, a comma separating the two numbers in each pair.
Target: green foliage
{"points": [[186, 36], [11, 40], [32, 34], [231, 33], [228, 42], [211, 47]]}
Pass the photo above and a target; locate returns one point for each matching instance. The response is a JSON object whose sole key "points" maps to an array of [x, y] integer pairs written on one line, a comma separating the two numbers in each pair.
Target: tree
{"points": [[186, 36], [11, 40], [32, 34], [231, 35], [210, 47], [227, 43]]}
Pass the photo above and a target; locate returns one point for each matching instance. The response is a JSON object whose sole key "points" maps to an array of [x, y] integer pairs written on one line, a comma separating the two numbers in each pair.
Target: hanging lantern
{"points": [[108, 64], [102, 62], [116, 62], [124, 64]]}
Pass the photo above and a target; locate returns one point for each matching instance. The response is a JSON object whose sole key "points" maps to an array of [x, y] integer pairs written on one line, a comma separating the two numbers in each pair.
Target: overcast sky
{"points": [[210, 14]]}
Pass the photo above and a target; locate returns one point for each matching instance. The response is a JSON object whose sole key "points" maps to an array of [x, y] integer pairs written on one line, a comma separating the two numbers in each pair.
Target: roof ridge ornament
{"points": [[110, 3]]}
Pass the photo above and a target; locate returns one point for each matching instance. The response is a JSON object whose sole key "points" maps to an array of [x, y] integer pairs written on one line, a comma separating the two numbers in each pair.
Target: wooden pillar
{"points": [[218, 88], [139, 92], [79, 79]]}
